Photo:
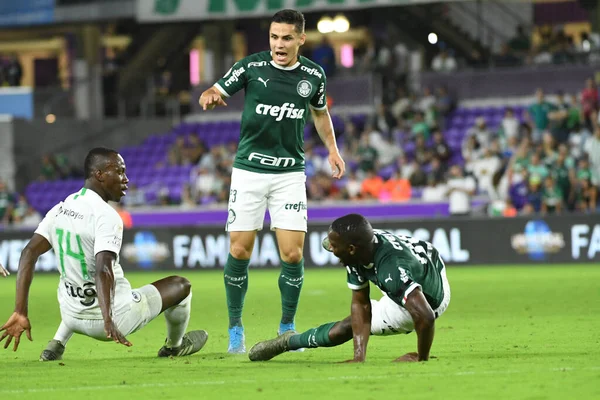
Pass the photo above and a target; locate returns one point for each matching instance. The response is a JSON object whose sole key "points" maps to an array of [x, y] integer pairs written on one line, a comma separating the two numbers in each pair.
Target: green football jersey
{"points": [[401, 265], [276, 106]]}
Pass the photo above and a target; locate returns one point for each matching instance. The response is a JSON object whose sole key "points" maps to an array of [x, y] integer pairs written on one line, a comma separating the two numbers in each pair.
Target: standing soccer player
{"points": [[95, 298], [409, 272], [268, 171]]}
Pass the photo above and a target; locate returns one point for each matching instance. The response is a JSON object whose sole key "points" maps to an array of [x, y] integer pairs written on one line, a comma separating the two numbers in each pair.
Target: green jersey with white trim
{"points": [[401, 265], [275, 110]]}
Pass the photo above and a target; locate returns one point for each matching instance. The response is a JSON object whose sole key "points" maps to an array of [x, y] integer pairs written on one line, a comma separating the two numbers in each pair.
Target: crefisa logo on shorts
{"points": [[537, 240], [296, 206]]}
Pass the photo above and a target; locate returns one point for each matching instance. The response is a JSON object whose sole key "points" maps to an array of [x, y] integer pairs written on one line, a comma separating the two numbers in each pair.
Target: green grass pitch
{"points": [[510, 333]]}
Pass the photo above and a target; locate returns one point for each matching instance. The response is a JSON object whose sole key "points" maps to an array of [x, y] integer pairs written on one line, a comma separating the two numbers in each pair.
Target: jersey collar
{"points": [[291, 67]]}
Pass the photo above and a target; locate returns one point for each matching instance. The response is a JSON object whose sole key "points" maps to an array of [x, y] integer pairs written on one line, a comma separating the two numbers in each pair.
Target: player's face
{"points": [[285, 42], [342, 250], [115, 179]]}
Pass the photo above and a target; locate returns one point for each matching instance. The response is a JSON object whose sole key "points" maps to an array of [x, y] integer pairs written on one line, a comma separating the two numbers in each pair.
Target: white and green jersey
{"points": [[78, 228], [275, 110], [401, 265]]}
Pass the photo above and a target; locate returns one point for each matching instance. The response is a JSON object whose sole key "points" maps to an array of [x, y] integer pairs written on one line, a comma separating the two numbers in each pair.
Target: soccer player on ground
{"points": [[95, 298], [409, 272], [268, 171]]}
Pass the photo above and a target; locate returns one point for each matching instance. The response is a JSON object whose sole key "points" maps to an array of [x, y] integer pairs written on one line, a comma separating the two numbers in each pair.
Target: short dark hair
{"points": [[291, 17], [353, 229], [94, 158]]}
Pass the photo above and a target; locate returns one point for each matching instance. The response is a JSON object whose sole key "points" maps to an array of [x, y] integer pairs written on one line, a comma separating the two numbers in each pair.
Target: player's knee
{"points": [[291, 255], [240, 252], [185, 286]]}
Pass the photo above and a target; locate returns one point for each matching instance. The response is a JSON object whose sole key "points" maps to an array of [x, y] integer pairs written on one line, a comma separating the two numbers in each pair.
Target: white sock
{"points": [[177, 321], [63, 334]]}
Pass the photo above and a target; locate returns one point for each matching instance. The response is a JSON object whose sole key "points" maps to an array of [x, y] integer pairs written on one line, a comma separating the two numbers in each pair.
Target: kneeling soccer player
{"points": [[95, 298], [409, 272]]}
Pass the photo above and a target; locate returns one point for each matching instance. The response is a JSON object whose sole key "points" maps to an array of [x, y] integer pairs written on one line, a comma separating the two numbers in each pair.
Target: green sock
{"points": [[236, 285], [315, 337], [290, 285]]}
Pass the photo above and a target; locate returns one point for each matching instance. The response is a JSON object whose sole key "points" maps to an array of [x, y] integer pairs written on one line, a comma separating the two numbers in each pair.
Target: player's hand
{"points": [[13, 328], [4, 272], [210, 99], [112, 332], [338, 166]]}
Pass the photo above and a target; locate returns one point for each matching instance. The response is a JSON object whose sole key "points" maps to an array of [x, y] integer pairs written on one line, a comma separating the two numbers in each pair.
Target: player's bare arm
{"points": [[361, 323], [18, 321], [324, 127], [211, 98], [105, 285], [424, 321], [4, 272]]}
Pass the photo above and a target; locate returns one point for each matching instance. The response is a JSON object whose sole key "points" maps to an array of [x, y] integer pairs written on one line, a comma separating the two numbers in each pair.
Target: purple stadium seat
{"points": [[321, 151], [409, 147], [387, 172], [151, 196], [416, 192]]}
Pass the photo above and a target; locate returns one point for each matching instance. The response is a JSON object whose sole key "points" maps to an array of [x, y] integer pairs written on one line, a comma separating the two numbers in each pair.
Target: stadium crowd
{"points": [[546, 159], [543, 157]]}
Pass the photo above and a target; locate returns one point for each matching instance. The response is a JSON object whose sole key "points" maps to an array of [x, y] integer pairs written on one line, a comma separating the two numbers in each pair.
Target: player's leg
{"points": [[387, 318], [247, 205], [235, 277], [291, 278], [176, 299], [56, 347], [287, 206], [173, 296], [327, 335]]}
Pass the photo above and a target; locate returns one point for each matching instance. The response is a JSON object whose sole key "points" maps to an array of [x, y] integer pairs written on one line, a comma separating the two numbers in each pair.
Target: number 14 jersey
{"points": [[79, 228], [401, 265]]}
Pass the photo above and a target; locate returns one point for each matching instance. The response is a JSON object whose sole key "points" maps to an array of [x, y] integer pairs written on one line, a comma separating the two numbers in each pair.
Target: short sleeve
{"points": [[234, 80], [46, 227], [108, 234], [319, 100], [355, 280], [406, 284]]}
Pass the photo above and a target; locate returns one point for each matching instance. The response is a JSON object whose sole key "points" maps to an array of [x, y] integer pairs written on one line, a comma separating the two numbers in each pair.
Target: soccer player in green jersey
{"points": [[268, 172], [409, 272]]}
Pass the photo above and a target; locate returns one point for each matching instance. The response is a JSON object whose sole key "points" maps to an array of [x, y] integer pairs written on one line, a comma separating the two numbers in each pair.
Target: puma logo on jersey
{"points": [[389, 278], [263, 81], [235, 284], [287, 110]]}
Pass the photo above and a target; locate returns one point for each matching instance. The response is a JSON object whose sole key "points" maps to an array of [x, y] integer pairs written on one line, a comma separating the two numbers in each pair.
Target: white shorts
{"points": [[388, 318], [251, 194], [146, 304]]}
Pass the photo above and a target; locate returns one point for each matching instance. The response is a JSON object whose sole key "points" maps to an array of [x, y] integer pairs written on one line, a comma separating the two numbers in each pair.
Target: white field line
{"points": [[358, 378]]}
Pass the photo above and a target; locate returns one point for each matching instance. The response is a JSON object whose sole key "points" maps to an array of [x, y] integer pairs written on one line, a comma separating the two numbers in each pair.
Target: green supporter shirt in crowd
{"points": [[539, 114]]}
